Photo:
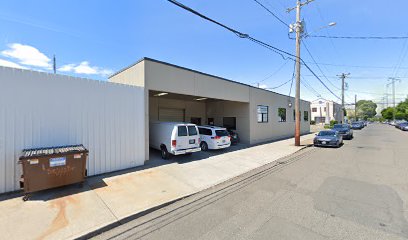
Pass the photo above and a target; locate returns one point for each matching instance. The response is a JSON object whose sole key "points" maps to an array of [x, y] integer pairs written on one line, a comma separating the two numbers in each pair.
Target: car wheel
{"points": [[164, 153], [204, 146]]}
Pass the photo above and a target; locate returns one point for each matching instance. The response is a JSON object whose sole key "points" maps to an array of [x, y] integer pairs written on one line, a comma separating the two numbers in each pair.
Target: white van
{"points": [[174, 138], [213, 137]]}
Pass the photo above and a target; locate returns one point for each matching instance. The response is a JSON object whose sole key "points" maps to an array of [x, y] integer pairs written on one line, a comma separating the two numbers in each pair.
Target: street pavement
{"points": [[112, 199], [358, 191]]}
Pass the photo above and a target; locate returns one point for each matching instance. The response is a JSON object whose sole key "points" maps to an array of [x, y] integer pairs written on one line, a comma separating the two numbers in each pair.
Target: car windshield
{"points": [[327, 133], [338, 126], [221, 133]]}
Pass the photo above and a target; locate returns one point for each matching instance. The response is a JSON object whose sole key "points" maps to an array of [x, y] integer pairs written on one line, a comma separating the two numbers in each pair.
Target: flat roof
{"points": [[195, 71]]}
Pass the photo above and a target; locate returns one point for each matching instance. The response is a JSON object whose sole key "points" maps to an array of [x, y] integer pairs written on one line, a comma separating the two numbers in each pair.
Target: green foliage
{"points": [[401, 111], [366, 109], [332, 122]]}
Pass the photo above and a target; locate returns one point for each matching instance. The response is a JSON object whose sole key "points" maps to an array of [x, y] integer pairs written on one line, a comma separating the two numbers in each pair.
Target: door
{"points": [[196, 121], [230, 123], [171, 115]]}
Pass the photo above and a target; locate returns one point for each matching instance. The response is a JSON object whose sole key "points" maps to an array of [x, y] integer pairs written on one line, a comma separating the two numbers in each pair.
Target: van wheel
{"points": [[204, 146], [164, 153]]}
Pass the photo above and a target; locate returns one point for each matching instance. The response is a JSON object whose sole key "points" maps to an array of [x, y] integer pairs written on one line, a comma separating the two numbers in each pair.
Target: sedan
{"points": [[357, 126], [344, 130], [328, 138]]}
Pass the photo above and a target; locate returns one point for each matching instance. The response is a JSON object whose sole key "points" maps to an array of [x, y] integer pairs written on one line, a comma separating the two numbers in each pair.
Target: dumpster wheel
{"points": [[26, 197]]}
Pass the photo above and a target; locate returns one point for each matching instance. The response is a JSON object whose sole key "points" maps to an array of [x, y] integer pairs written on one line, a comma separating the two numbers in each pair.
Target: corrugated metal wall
{"points": [[39, 109]]}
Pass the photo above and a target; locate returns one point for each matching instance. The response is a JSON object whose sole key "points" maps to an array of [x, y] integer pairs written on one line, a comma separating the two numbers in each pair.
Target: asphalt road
{"points": [[359, 191]]}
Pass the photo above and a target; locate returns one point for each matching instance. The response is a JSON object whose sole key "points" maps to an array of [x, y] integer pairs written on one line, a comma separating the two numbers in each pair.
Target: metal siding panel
{"points": [[107, 118]]}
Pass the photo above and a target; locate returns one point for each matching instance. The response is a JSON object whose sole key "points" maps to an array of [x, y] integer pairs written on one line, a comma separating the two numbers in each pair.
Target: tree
{"points": [[387, 113], [366, 109]]}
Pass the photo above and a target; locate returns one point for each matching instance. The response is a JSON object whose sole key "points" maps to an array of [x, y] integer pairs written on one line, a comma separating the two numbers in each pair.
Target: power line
{"points": [[317, 65], [273, 14], [357, 66], [360, 37], [284, 54], [280, 68]]}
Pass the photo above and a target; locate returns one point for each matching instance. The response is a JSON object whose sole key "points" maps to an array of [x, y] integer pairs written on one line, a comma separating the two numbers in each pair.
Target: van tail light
{"points": [[173, 143], [217, 137]]}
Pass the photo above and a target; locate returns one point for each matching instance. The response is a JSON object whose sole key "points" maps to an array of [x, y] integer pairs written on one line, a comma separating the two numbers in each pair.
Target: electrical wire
{"points": [[317, 65], [281, 52], [273, 14], [280, 68], [360, 37]]}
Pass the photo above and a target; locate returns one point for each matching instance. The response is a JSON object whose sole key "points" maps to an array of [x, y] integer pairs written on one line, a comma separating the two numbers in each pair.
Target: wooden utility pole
{"points": [[299, 31], [355, 107], [343, 78]]}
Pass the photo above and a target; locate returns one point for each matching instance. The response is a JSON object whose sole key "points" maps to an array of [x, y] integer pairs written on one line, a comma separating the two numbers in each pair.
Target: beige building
{"points": [[174, 93], [323, 111]]}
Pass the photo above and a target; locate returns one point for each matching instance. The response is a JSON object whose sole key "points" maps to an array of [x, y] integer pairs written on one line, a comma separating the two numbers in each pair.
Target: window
{"points": [[306, 116], [324, 109], [294, 115], [182, 131], [282, 114], [221, 133], [205, 131], [192, 130], [314, 109], [262, 114]]}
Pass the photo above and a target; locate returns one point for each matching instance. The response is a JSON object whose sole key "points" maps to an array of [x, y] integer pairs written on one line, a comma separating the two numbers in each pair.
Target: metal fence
{"points": [[41, 110]]}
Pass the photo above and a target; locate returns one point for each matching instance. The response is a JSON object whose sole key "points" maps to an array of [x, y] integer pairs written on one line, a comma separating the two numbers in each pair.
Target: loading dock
{"points": [[174, 93]]}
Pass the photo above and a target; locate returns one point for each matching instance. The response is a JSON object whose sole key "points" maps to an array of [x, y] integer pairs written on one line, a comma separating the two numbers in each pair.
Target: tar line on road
{"points": [[140, 225]]}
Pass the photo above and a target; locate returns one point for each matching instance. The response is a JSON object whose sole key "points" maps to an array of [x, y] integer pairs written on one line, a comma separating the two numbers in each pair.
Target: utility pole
{"points": [[343, 78], [54, 64], [355, 107], [299, 31], [393, 80]]}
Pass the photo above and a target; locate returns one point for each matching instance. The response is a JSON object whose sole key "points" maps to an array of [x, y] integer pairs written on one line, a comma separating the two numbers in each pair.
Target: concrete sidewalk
{"points": [[71, 212]]}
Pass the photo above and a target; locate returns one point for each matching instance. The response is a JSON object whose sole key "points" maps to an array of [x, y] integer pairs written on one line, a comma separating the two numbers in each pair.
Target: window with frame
{"points": [[306, 116], [182, 131], [314, 109], [282, 114], [262, 114]]}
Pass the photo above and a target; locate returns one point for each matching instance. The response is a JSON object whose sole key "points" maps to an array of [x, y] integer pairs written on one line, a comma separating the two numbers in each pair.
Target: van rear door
{"points": [[182, 137], [193, 136]]}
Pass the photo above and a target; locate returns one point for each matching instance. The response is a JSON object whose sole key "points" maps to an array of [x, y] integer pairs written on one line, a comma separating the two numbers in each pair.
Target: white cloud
{"points": [[27, 55], [6, 63], [85, 68]]}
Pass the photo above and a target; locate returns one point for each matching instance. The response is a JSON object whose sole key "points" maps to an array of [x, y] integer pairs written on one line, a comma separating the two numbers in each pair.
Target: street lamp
{"points": [[331, 24]]}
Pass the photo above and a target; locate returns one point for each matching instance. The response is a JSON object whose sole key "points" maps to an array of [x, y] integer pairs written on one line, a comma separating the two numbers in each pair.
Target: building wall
{"points": [[192, 108], [135, 76], [42, 110], [220, 109], [273, 129], [334, 111], [162, 77]]}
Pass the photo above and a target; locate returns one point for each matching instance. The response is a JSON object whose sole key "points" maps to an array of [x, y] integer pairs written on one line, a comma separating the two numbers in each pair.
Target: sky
{"points": [[96, 38]]}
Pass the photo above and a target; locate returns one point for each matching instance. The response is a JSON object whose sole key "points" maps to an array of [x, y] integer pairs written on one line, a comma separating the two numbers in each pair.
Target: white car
{"points": [[213, 137], [174, 138]]}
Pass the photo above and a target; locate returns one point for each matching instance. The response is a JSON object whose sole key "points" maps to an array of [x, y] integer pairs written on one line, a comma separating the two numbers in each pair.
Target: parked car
{"points": [[234, 136], [402, 126], [213, 137], [173, 138], [344, 130], [405, 128], [357, 126], [328, 138]]}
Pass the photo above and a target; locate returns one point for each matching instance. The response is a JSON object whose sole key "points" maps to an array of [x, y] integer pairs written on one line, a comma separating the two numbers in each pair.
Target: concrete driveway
{"points": [[106, 200]]}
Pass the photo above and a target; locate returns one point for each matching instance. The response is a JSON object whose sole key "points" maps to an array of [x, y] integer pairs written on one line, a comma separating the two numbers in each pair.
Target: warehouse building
{"points": [[174, 93]]}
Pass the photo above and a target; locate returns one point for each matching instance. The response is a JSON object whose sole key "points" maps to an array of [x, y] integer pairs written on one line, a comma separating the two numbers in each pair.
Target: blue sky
{"points": [[96, 37]]}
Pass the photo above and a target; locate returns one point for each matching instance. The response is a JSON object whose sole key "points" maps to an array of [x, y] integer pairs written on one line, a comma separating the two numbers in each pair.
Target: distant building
{"points": [[323, 111]]}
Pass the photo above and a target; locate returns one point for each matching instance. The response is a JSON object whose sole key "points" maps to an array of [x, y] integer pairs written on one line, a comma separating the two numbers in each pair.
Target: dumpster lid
{"points": [[40, 152]]}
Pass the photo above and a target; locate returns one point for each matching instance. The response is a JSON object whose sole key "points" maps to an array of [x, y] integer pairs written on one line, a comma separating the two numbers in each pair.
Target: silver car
{"points": [[328, 138]]}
